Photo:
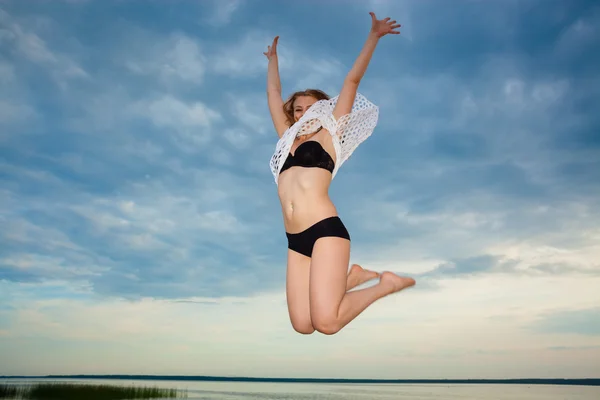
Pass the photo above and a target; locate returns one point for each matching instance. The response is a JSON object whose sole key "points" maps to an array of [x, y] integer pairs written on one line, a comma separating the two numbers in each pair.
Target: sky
{"points": [[141, 229]]}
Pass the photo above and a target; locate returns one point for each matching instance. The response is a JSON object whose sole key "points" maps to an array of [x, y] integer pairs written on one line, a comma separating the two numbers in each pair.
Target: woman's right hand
{"points": [[272, 50]]}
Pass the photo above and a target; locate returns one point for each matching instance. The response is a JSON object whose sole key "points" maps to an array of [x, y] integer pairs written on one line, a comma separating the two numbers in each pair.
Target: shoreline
{"points": [[512, 381]]}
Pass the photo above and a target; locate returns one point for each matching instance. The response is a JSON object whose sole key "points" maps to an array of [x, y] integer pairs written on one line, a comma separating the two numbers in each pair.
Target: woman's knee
{"points": [[302, 326], [327, 325]]}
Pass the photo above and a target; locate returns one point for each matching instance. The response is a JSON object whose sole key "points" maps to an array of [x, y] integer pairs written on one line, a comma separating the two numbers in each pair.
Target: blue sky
{"points": [[141, 230]]}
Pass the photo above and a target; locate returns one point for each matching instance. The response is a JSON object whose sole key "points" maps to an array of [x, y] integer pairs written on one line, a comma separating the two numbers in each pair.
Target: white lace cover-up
{"points": [[347, 133]]}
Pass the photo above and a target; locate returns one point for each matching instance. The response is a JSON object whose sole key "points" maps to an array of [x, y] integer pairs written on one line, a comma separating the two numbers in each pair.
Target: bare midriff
{"points": [[304, 197], [304, 191]]}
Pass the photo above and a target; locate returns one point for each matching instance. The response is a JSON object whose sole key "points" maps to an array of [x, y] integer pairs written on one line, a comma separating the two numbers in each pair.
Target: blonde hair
{"points": [[288, 106]]}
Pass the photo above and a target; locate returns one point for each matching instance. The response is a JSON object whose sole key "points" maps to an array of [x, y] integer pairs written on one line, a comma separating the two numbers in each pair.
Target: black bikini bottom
{"points": [[303, 242]]}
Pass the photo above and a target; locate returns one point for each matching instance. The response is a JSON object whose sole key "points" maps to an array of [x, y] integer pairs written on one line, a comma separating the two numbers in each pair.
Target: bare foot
{"points": [[396, 283], [358, 275]]}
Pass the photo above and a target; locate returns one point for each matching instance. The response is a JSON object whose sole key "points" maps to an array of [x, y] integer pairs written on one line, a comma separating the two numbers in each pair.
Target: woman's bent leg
{"points": [[297, 289], [331, 306], [297, 282]]}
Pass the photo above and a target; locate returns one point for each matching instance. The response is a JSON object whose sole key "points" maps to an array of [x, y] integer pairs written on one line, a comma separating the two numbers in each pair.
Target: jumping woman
{"points": [[316, 136]]}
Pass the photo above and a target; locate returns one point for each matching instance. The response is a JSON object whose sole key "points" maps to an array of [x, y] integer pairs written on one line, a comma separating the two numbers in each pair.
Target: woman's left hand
{"points": [[381, 27]]}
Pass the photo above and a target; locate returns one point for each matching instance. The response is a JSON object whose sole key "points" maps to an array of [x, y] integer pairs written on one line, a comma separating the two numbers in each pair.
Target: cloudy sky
{"points": [[141, 230]]}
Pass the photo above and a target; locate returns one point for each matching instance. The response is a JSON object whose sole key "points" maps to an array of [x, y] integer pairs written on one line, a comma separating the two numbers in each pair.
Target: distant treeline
{"points": [[522, 381]]}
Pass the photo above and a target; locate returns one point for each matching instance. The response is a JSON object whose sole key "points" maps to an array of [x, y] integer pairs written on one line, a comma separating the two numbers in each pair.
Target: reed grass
{"points": [[10, 391], [79, 391]]}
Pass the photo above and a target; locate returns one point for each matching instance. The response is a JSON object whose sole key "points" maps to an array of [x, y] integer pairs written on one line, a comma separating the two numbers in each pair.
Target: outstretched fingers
{"points": [[382, 27], [272, 49]]}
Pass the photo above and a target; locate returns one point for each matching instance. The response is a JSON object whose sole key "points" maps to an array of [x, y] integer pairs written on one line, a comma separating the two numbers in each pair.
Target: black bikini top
{"points": [[309, 154]]}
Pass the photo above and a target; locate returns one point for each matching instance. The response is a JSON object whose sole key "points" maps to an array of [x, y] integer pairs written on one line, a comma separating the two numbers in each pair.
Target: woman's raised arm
{"points": [[274, 90], [379, 28]]}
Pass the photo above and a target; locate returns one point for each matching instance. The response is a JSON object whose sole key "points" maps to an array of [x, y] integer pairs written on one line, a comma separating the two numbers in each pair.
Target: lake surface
{"points": [[200, 390]]}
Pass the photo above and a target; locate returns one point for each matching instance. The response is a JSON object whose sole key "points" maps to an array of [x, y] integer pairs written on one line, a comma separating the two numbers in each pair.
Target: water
{"points": [[197, 390]]}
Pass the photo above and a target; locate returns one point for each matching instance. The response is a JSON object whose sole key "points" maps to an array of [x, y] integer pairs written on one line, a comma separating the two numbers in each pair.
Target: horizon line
{"points": [[554, 381]]}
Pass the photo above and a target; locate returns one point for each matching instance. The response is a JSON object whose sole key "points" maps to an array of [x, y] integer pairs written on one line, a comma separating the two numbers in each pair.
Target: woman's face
{"points": [[301, 104]]}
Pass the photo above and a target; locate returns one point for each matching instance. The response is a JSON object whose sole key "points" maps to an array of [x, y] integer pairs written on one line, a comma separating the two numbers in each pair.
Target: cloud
{"points": [[29, 47], [133, 237], [15, 113], [239, 59], [160, 209], [174, 59], [571, 348], [173, 115], [581, 34], [474, 265], [251, 112], [482, 336], [470, 175], [7, 72], [495, 264], [578, 322], [223, 11], [300, 66], [473, 165]]}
